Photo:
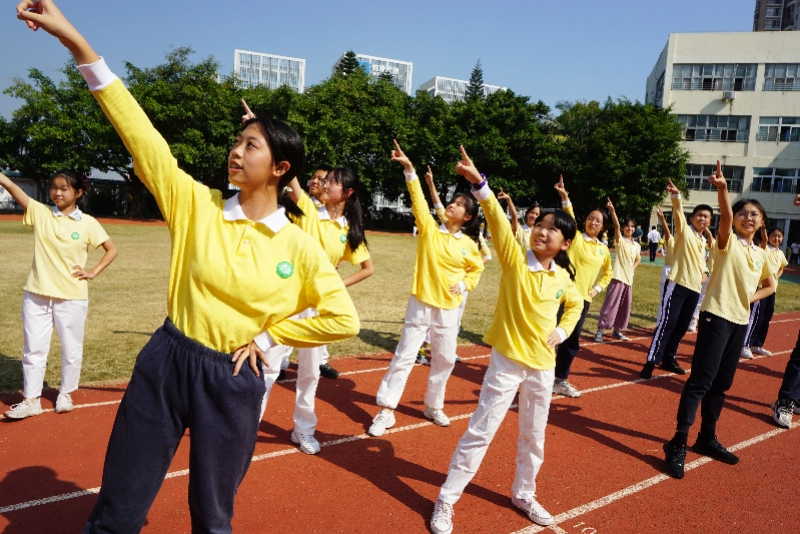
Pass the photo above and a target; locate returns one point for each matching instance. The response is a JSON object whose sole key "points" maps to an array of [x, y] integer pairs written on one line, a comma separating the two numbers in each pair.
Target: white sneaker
{"points": [[63, 403], [26, 408], [565, 388], [437, 416], [534, 510], [442, 518], [746, 353], [761, 351], [598, 336], [306, 442], [782, 412], [384, 419], [692, 327]]}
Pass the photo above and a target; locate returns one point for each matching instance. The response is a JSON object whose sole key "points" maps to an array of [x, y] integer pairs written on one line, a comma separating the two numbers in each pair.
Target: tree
{"points": [[475, 88], [349, 64], [386, 76]]}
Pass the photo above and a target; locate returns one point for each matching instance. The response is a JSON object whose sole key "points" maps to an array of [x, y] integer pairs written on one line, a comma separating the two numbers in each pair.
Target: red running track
{"points": [[602, 470]]}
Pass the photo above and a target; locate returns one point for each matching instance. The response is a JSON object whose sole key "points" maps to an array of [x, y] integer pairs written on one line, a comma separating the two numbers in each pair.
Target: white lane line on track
{"points": [[635, 488], [286, 452]]}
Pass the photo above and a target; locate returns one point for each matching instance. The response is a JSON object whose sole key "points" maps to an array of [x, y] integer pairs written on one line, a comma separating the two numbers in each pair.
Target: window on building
{"points": [[786, 129], [773, 12], [697, 176], [728, 128], [714, 76], [772, 180], [772, 24], [782, 76]]}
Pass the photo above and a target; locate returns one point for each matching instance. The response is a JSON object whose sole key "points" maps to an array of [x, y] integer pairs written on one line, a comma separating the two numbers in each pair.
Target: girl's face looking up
{"points": [[332, 190], [546, 239], [250, 162], [457, 211]]}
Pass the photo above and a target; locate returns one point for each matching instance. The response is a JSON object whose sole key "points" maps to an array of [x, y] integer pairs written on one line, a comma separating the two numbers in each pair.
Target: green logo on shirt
{"points": [[758, 263], [75, 236], [600, 251], [463, 252], [285, 269], [343, 239], [560, 292]]}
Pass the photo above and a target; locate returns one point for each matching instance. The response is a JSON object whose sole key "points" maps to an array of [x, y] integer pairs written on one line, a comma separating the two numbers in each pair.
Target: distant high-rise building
{"points": [[451, 89], [776, 15], [375, 66], [256, 68]]}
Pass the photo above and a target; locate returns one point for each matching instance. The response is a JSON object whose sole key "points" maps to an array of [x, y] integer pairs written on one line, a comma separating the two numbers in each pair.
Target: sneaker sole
{"points": [[430, 418], [574, 395], [539, 521], [21, 418], [64, 410], [302, 449]]}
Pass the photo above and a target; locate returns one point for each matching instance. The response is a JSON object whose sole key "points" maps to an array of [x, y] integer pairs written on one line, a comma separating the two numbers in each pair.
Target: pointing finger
{"points": [[464, 153], [247, 108], [397, 146], [719, 169]]}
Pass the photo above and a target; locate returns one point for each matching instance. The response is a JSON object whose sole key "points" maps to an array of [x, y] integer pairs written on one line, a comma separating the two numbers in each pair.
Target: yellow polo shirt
{"points": [[625, 255], [738, 269], [523, 236], [529, 296], [443, 259], [669, 251], [777, 261], [689, 256], [59, 243], [591, 259], [230, 278], [331, 234]]}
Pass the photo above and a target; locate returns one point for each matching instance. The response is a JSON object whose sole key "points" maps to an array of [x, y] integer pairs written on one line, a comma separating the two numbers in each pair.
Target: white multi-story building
{"points": [[256, 68], [451, 89], [738, 96], [375, 66]]}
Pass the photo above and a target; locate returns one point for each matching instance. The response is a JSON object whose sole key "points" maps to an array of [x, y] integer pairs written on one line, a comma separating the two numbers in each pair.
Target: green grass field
{"points": [[128, 301]]}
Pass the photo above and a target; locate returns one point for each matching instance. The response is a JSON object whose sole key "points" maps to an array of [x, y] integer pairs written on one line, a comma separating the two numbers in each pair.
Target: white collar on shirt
{"points": [[590, 239], [535, 266], [772, 248], [526, 228], [444, 230], [234, 212], [76, 215], [745, 243], [325, 216]]}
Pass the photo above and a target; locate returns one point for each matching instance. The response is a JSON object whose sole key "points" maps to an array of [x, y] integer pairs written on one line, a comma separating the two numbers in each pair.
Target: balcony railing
{"points": [[788, 186], [784, 137], [714, 84], [725, 136], [792, 85]]}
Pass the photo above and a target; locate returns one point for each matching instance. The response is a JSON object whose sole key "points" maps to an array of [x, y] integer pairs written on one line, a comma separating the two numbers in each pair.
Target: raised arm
{"points": [[16, 192], [725, 210], [437, 202], [764, 237], [617, 228], [664, 225], [502, 195], [45, 15], [419, 206]]}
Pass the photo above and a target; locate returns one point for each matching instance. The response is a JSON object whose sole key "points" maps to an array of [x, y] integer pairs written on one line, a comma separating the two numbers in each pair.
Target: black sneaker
{"points": [[715, 450], [672, 367], [647, 371], [326, 371], [675, 454], [281, 375]]}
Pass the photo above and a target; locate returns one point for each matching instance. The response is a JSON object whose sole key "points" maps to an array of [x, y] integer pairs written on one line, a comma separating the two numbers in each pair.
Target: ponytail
{"points": [[562, 260], [471, 228], [352, 206]]}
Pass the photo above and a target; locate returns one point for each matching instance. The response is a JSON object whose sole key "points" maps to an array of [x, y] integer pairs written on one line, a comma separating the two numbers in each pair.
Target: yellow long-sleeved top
{"points": [[689, 256], [529, 298], [590, 258], [777, 261], [625, 254], [483, 247], [737, 271], [231, 279], [331, 234], [669, 251], [523, 236], [443, 259]]}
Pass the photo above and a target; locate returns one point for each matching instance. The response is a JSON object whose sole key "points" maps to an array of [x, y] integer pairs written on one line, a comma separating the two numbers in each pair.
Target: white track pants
{"points": [[271, 371], [308, 362], [39, 313], [500, 384], [443, 326], [464, 296]]}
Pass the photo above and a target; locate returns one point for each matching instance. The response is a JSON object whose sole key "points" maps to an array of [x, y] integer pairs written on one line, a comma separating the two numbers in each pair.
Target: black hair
{"points": [[568, 228], [352, 206], [741, 203], [323, 167], [604, 215], [285, 145], [77, 184], [653, 228], [774, 229], [472, 227], [703, 207], [530, 209]]}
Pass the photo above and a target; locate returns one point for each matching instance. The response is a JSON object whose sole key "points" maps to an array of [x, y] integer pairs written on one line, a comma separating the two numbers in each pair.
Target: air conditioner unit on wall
{"points": [[728, 95]]}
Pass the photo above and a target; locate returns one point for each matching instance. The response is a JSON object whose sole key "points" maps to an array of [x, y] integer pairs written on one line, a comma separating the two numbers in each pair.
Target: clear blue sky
{"points": [[548, 50]]}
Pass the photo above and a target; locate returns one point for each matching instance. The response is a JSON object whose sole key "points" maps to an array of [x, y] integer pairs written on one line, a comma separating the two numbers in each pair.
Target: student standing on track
{"points": [[669, 258], [338, 225], [448, 264], [616, 308], [739, 265], [523, 334], [761, 314], [789, 393], [591, 259], [57, 289], [238, 270], [682, 289], [653, 237]]}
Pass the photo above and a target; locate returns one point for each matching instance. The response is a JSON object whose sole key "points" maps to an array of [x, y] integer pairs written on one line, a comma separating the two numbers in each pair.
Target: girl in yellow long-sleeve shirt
{"points": [[238, 270], [591, 260], [523, 334], [448, 264]]}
